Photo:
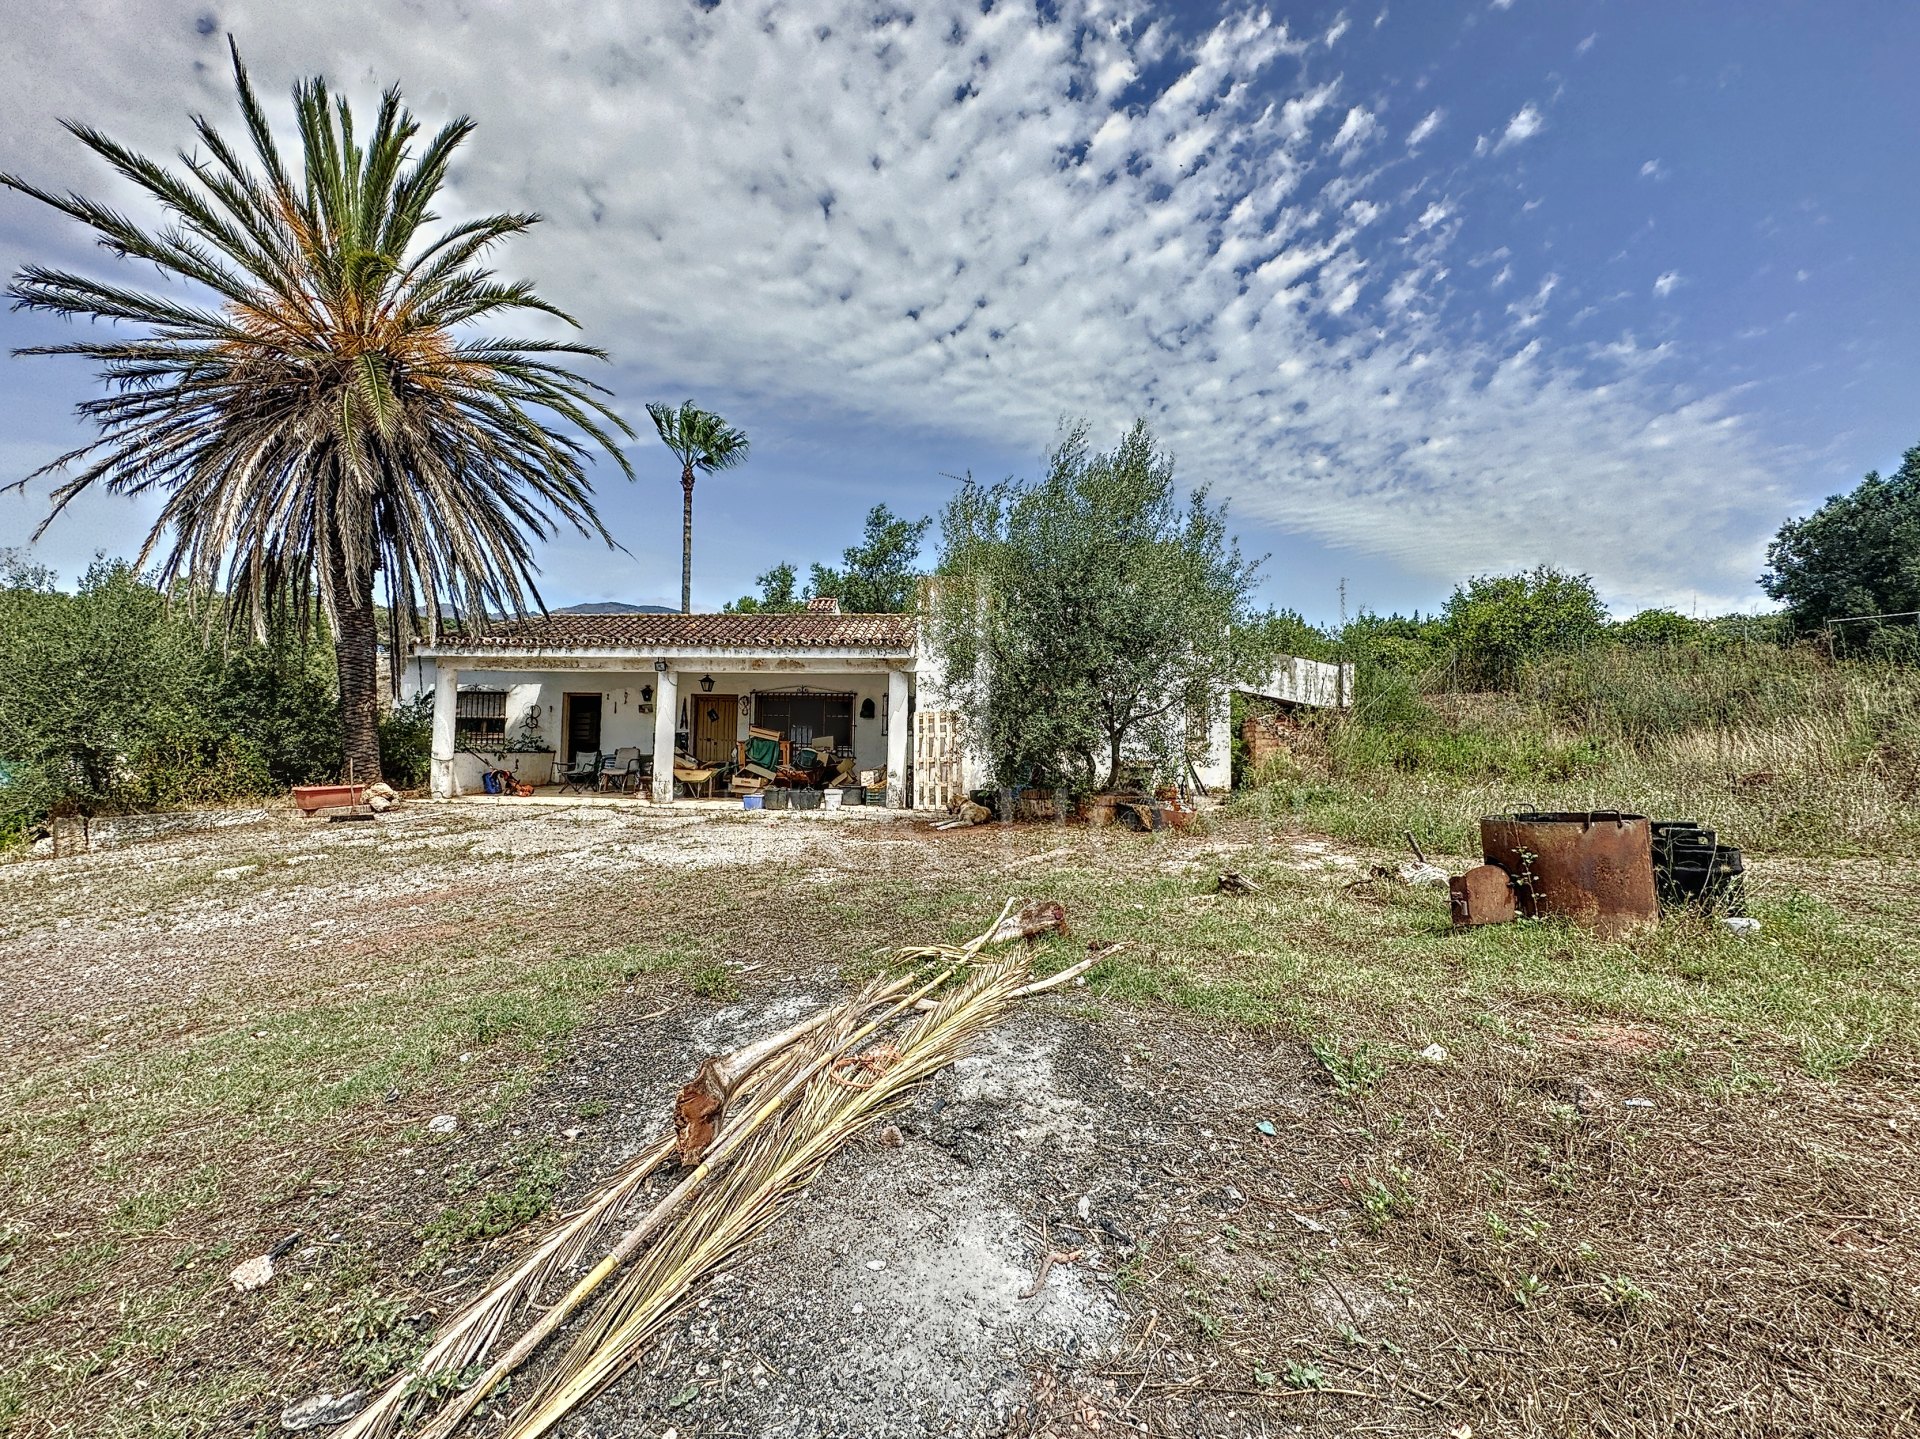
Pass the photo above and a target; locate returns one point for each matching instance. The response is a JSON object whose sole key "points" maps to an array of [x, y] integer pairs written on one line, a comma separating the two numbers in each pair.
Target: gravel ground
{"points": [[90, 939]]}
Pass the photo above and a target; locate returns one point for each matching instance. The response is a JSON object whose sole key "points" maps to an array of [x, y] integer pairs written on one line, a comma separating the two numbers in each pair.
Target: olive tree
{"points": [[1091, 617]]}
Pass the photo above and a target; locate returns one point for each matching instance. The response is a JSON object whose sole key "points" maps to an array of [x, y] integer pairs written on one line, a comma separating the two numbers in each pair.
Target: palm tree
{"points": [[306, 404], [702, 441]]}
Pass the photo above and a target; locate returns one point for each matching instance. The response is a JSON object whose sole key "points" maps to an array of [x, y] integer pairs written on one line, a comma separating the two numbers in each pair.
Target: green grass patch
{"points": [[496, 1211]]}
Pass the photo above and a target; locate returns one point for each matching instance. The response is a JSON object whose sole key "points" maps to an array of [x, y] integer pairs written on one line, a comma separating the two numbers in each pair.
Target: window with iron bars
{"points": [[480, 719]]}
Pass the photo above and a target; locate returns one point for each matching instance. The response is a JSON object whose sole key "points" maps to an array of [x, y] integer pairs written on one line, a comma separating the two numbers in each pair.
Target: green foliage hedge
{"points": [[112, 698]]}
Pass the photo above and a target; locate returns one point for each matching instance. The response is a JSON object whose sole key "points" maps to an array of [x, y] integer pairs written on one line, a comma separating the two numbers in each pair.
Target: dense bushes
{"points": [[113, 699], [1521, 694]]}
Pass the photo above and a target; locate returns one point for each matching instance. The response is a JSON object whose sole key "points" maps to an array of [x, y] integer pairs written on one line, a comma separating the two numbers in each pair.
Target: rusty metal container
{"points": [[1483, 895], [1594, 868]]}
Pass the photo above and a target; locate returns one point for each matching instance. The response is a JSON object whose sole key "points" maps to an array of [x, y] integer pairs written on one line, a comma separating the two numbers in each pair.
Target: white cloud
{"points": [[1653, 170], [1586, 44], [1527, 122], [950, 225], [1668, 283], [1422, 132], [1529, 312], [1502, 4], [1355, 130], [1339, 27]]}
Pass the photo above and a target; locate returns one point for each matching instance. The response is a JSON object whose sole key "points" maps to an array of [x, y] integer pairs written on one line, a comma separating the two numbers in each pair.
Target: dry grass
{"points": [[1499, 1245], [1737, 1259], [1784, 752]]}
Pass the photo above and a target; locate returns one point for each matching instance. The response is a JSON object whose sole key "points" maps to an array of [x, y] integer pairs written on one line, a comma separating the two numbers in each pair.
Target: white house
{"points": [[600, 682], [695, 683]]}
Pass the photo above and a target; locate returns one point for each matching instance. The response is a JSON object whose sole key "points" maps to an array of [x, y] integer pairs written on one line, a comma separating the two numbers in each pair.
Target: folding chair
{"points": [[584, 771]]}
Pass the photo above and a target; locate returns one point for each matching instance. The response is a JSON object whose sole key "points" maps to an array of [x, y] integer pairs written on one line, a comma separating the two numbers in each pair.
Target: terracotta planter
{"points": [[310, 797]]}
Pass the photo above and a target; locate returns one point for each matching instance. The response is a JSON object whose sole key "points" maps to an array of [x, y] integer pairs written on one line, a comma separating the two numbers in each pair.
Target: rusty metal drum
{"points": [[1594, 867]]}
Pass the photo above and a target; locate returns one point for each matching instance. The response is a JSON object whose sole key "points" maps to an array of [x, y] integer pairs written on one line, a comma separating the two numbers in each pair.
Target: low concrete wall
{"points": [[77, 834]]}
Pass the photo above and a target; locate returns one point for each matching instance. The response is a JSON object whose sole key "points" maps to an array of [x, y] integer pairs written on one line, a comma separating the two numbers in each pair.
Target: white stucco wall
{"points": [[1308, 682]]}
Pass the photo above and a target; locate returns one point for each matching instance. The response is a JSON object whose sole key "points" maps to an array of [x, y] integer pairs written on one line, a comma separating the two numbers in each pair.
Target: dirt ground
{"points": [[1543, 1232]]}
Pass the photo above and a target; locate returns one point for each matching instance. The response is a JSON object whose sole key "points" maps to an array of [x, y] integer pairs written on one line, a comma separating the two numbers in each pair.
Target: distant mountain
{"points": [[614, 607]]}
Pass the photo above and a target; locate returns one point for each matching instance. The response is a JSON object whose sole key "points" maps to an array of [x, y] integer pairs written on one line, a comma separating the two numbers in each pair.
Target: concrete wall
{"points": [[1309, 682]]}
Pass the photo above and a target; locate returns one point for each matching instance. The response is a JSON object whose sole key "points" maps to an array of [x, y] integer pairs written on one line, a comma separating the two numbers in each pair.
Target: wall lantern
{"points": [[706, 684], [646, 694], [660, 666]]}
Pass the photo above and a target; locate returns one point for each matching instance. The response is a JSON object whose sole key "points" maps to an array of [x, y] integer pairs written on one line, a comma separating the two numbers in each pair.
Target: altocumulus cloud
{"points": [[985, 222]]}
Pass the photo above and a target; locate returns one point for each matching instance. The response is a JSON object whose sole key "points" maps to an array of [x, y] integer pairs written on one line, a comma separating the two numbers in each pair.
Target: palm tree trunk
{"points": [[686, 541], [356, 654]]}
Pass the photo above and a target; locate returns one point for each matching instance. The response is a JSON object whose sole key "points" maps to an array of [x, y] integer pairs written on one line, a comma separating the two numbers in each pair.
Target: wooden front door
{"points": [[716, 725], [582, 724]]}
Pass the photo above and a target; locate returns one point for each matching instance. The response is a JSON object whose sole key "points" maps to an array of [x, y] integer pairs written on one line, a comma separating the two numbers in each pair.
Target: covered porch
{"points": [[554, 698]]}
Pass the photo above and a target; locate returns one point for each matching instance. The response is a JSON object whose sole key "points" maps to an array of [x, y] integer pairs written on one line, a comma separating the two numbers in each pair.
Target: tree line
{"points": [[116, 695]]}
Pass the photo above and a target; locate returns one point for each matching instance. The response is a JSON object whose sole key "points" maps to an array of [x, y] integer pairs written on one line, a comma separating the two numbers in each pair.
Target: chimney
{"points": [[823, 605]]}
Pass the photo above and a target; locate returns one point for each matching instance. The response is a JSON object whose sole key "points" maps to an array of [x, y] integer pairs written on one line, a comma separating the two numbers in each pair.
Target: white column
{"points": [[899, 740], [446, 703], [666, 710], [1215, 768]]}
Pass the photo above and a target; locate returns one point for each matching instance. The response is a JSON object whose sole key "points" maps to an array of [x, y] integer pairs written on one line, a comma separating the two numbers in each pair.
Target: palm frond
{"points": [[699, 439], [754, 1189], [800, 1113]]}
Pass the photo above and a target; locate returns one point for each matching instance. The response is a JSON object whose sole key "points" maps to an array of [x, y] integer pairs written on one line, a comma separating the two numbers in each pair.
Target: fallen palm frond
{"points": [[467, 1340], [779, 1159], [469, 1336], [781, 1073], [785, 1075]]}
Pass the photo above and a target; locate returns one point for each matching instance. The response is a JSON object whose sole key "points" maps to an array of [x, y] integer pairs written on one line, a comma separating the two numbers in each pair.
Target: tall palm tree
{"points": [[702, 441], [306, 402]]}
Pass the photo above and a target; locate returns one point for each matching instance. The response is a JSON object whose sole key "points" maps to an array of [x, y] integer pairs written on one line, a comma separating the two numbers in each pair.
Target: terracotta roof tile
{"points": [[892, 633]]}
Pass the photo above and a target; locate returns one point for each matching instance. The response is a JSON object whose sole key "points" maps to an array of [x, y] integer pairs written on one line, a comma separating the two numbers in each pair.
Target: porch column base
{"points": [[898, 738]]}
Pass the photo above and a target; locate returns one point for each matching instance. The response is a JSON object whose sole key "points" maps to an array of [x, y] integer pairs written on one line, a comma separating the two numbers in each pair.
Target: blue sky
{"points": [[1423, 289]]}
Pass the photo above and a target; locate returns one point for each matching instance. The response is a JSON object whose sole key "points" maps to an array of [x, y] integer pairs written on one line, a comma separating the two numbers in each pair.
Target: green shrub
{"points": [[117, 697], [1495, 624], [1654, 628], [406, 742]]}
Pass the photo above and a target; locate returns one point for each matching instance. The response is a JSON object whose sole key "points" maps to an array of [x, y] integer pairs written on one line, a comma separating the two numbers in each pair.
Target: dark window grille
{"points": [[480, 718]]}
